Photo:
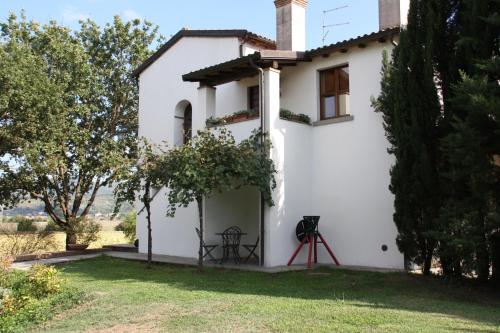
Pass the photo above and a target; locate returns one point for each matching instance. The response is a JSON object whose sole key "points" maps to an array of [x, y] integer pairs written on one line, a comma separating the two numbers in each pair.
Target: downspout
{"points": [[262, 136], [261, 97]]}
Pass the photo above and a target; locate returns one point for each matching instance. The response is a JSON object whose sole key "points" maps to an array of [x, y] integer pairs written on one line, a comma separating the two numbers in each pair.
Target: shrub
{"points": [[304, 118], [43, 281], [22, 293], [286, 114], [38, 311], [128, 225], [7, 302], [87, 231], [289, 115], [213, 121], [52, 226], [26, 225], [18, 243], [6, 264], [5, 269]]}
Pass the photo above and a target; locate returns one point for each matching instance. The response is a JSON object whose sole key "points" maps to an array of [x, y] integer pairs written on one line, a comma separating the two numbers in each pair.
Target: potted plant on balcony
{"points": [[286, 114], [213, 121], [240, 115], [85, 231]]}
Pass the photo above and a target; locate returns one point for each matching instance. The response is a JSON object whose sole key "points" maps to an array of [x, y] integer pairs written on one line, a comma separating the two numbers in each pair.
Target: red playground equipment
{"points": [[307, 231]]}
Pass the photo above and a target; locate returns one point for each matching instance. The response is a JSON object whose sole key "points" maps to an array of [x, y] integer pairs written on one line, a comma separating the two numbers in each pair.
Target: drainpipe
{"points": [[262, 135], [261, 96]]}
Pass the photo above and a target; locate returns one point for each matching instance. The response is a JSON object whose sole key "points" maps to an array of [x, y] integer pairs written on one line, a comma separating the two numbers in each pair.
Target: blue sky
{"points": [[171, 15]]}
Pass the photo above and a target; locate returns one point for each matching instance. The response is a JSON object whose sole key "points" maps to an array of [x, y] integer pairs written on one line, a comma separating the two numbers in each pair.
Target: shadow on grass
{"points": [[395, 291]]}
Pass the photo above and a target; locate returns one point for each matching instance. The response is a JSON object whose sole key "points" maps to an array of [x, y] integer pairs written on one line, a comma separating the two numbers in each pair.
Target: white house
{"points": [[337, 167]]}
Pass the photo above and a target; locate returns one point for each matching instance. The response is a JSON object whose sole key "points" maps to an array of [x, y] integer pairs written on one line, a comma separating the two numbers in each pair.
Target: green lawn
{"points": [[124, 296]]}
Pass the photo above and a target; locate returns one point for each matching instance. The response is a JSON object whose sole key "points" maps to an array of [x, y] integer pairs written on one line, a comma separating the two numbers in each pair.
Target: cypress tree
{"points": [[470, 214], [440, 104], [416, 87]]}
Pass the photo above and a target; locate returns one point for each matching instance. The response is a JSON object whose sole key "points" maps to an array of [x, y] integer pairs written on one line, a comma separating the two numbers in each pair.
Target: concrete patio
{"points": [[164, 259]]}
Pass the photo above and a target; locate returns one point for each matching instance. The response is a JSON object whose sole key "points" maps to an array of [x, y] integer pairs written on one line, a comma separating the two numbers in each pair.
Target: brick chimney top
{"points": [[281, 3], [291, 24]]}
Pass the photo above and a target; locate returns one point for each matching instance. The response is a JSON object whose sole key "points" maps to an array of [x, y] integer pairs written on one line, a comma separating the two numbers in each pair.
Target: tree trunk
{"points": [[147, 201], [483, 252], [483, 262], [70, 238], [427, 262], [495, 257], [199, 200]]}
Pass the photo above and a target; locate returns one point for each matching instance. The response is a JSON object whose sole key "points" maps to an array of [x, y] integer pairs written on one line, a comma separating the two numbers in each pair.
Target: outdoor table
{"points": [[231, 244]]}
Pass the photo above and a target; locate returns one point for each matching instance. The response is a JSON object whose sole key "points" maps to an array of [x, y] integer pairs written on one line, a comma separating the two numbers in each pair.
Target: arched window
{"points": [[183, 123], [188, 123]]}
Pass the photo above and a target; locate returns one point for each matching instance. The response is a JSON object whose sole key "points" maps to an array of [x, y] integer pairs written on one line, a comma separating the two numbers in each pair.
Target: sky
{"points": [[257, 16]]}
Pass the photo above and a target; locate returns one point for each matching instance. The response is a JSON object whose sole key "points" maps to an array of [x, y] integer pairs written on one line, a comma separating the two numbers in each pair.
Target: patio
{"points": [[240, 209]]}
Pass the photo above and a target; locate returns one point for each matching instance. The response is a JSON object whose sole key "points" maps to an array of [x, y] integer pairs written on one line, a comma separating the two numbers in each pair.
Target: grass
{"points": [[126, 296]]}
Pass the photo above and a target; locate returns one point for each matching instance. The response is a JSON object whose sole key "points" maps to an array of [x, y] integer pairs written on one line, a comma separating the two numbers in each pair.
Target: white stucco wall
{"points": [[339, 171], [161, 90], [292, 154]]}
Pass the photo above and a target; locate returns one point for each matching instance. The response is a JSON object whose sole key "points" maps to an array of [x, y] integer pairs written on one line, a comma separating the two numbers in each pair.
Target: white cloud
{"points": [[129, 15], [72, 14]]}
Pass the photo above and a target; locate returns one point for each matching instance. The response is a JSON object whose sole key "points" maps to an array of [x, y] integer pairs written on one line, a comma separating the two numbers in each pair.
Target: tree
{"points": [[471, 210], [410, 107], [146, 174], [440, 105], [68, 112], [213, 162]]}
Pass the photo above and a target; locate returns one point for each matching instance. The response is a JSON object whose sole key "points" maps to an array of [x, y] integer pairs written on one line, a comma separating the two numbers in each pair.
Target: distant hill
{"points": [[103, 205]]}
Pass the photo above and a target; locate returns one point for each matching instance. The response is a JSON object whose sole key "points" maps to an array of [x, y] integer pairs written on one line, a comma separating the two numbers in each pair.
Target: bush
{"points": [[5, 269], [23, 223], [27, 298], [39, 311], [87, 231], [43, 281], [18, 243], [26, 225], [52, 226], [128, 225]]}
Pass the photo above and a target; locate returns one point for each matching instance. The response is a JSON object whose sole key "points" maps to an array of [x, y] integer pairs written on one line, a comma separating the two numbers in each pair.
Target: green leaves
{"points": [[213, 162], [68, 111], [443, 131]]}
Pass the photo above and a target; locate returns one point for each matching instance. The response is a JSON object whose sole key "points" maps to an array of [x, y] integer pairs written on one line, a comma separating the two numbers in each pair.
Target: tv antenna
{"points": [[326, 26]]}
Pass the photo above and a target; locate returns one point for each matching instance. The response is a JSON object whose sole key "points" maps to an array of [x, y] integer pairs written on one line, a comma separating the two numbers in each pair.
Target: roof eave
{"points": [[360, 41], [242, 34], [242, 67]]}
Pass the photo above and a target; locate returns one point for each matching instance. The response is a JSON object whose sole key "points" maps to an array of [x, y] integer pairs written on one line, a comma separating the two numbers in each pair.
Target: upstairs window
{"points": [[334, 92], [253, 98]]}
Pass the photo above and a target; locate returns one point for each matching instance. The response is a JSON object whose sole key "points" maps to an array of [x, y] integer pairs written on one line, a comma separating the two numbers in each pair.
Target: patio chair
{"points": [[208, 248], [231, 244], [251, 248]]}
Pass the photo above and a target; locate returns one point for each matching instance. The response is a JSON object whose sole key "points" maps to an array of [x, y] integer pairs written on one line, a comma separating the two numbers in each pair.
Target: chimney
{"points": [[291, 24], [393, 13]]}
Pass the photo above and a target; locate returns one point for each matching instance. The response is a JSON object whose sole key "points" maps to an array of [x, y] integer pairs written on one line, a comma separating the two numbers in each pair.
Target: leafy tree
{"points": [[68, 112], [146, 174], [213, 162]]}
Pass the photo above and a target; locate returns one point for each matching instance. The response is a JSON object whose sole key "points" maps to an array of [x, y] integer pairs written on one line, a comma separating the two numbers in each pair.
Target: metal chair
{"points": [[208, 248], [231, 238], [251, 248]]}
